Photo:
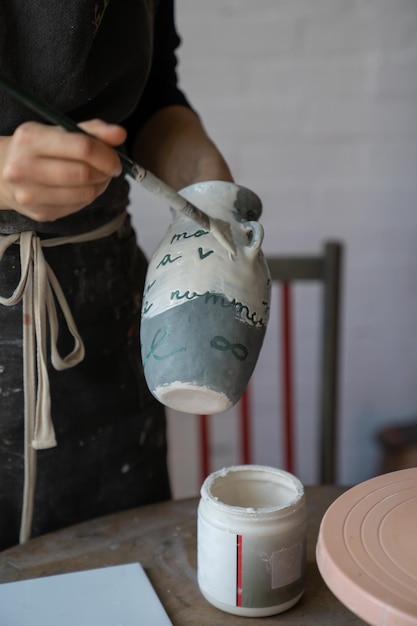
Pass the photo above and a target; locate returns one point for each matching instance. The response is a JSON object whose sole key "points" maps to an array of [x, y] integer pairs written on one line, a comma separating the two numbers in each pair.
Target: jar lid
{"points": [[367, 549]]}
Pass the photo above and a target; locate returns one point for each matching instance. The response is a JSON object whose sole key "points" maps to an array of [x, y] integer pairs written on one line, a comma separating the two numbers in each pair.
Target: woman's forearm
{"points": [[174, 146]]}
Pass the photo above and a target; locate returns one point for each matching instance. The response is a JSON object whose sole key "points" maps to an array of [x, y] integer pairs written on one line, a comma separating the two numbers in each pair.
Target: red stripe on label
{"points": [[239, 542]]}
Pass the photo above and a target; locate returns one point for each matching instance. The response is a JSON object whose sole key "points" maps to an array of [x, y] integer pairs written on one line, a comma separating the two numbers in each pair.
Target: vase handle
{"points": [[255, 234]]}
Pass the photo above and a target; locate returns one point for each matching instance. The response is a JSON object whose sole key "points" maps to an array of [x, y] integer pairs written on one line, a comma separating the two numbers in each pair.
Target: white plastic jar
{"points": [[251, 540]]}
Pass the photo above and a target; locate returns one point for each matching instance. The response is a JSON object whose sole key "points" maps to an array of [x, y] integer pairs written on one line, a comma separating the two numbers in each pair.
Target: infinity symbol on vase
{"points": [[238, 350]]}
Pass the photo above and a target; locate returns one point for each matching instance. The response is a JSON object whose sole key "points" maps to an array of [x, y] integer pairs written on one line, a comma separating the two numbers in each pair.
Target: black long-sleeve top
{"points": [[112, 59]]}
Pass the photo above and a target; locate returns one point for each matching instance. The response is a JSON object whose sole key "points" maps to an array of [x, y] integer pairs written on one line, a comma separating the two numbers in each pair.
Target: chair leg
{"points": [[245, 426], [204, 438], [287, 369], [330, 359]]}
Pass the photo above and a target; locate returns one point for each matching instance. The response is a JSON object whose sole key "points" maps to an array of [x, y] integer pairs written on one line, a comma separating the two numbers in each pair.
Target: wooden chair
{"points": [[324, 268]]}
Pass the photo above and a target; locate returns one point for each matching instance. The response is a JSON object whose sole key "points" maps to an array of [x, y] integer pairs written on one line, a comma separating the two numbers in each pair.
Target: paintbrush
{"points": [[218, 228]]}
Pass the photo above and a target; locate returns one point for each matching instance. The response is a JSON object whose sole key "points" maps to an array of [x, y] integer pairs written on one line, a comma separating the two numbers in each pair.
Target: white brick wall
{"points": [[314, 104]]}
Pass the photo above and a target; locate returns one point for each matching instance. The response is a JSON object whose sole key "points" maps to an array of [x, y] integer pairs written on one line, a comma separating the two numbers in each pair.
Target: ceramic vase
{"points": [[205, 311]]}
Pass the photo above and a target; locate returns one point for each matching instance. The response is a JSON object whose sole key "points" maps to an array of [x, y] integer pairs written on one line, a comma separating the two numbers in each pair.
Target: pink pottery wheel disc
{"points": [[367, 549]]}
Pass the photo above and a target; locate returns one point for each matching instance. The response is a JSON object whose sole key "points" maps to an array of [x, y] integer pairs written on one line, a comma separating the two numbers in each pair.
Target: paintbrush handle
{"points": [[171, 197], [42, 109], [50, 114]]}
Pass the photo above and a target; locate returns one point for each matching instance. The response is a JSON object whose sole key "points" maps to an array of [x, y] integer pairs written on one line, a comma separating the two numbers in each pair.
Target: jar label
{"points": [[245, 570], [286, 565]]}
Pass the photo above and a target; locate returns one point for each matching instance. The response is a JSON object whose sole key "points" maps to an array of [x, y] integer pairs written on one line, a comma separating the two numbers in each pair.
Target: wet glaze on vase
{"points": [[205, 313]]}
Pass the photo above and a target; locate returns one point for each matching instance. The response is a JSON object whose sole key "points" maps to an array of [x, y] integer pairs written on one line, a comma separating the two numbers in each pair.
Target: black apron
{"points": [[110, 431]]}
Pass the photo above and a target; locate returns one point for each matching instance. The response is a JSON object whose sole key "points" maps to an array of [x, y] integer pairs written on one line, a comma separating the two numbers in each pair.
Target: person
{"points": [[80, 434]]}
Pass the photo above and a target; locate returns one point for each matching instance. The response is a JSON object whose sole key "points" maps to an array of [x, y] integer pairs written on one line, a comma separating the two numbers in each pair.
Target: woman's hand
{"points": [[47, 173]]}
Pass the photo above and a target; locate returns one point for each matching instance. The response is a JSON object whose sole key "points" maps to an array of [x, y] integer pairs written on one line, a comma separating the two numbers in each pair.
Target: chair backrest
{"points": [[326, 269]]}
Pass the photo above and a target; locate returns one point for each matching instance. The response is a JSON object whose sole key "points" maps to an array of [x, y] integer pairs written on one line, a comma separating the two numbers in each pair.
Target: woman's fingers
{"points": [[111, 134], [50, 203], [48, 173], [34, 141]]}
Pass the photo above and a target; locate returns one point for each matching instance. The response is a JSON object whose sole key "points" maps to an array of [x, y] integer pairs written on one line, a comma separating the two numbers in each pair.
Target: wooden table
{"points": [[162, 537]]}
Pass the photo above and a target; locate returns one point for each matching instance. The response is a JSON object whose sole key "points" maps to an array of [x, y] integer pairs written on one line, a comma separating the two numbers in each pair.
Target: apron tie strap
{"points": [[39, 290]]}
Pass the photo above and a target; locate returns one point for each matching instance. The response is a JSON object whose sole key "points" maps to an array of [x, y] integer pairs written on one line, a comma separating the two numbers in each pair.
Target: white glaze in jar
{"points": [[251, 540]]}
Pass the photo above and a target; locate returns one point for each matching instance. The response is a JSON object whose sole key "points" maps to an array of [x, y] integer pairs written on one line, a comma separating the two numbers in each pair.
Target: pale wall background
{"points": [[314, 104]]}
